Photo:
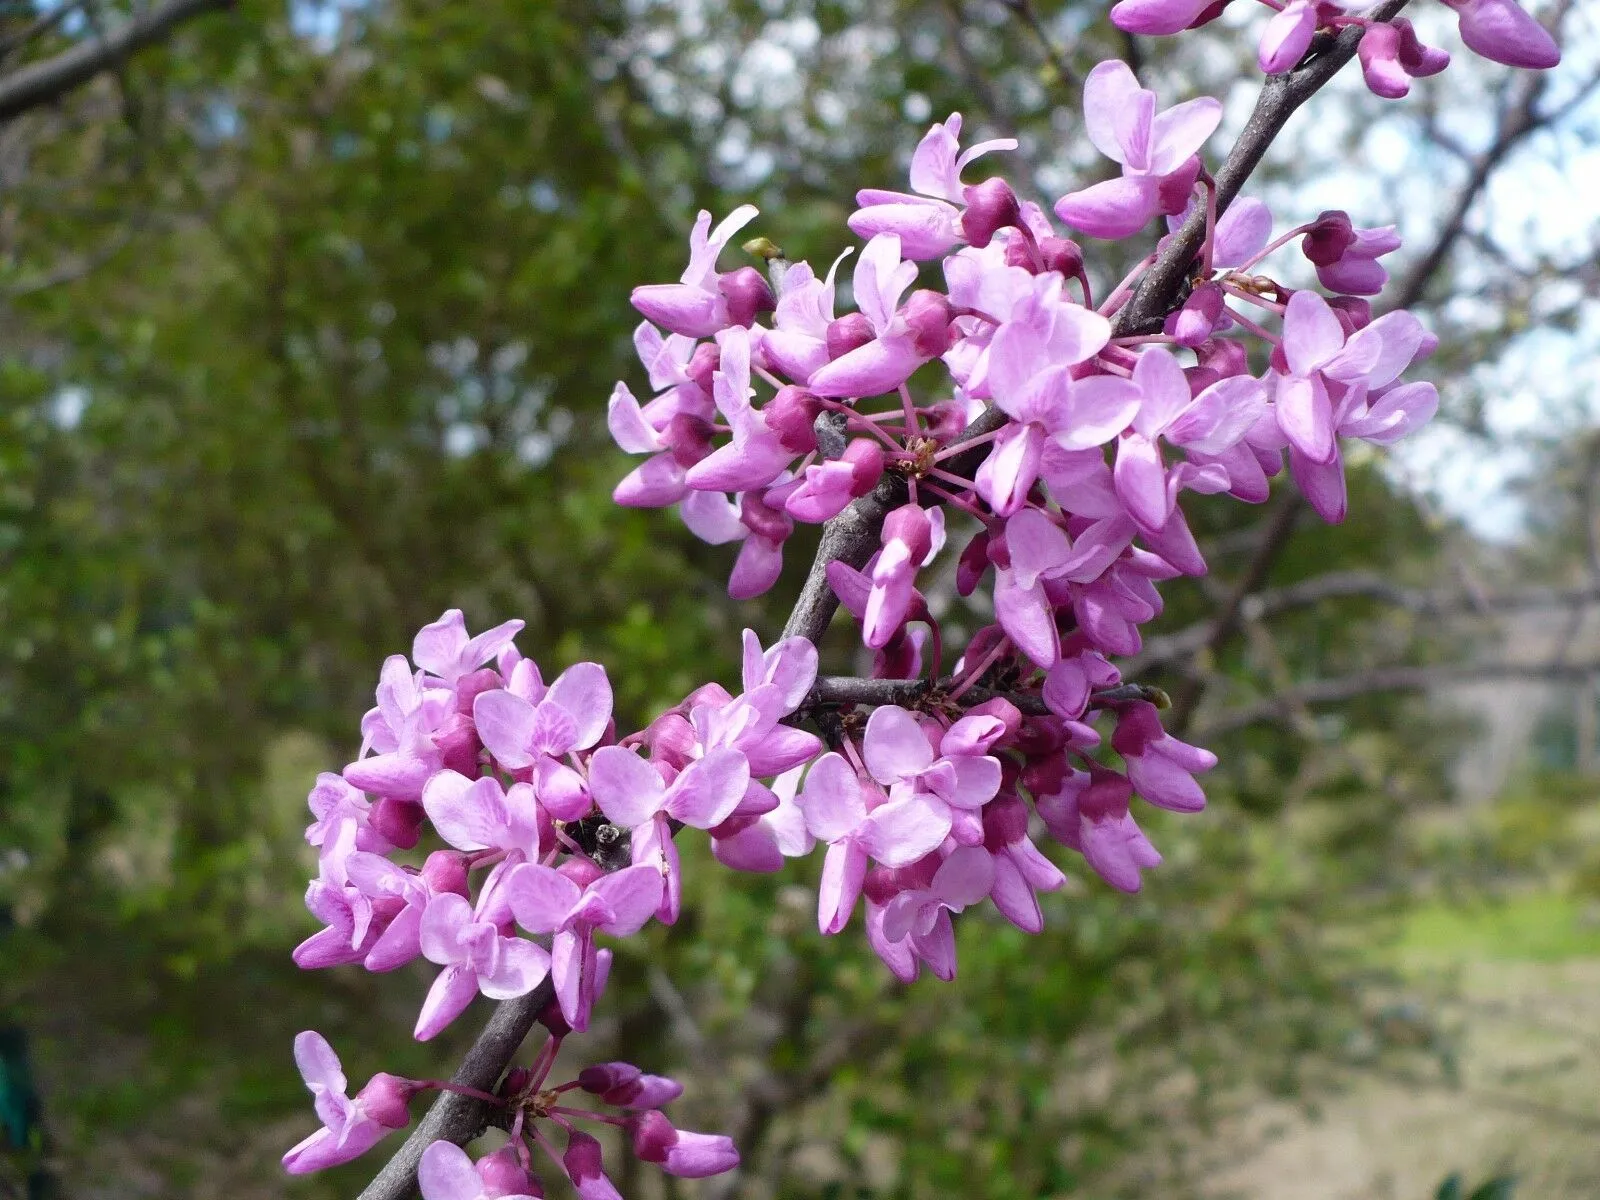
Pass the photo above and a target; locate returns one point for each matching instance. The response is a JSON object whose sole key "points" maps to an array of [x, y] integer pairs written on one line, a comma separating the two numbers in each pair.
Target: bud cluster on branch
{"points": [[992, 401]]}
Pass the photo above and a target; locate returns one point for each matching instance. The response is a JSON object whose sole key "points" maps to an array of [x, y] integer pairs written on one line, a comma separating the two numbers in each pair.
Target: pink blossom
{"points": [[349, 1127], [696, 306], [1160, 767], [679, 1152], [956, 782], [1502, 31], [902, 340], [446, 1172], [476, 957], [1392, 56], [1090, 815], [1121, 120]]}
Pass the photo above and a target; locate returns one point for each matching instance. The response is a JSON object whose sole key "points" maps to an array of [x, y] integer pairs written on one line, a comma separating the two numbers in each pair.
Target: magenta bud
{"points": [[791, 415], [517, 1081], [849, 332], [672, 740], [583, 1160], [1192, 324], [1044, 776], [909, 524], [1176, 189], [649, 1091], [689, 437], [1419, 59], [582, 871], [1330, 235], [749, 295], [445, 871], [973, 563], [457, 742], [1224, 356], [1040, 736], [881, 885], [1138, 724], [398, 821], [1353, 312], [1199, 379], [866, 465], [928, 315], [653, 1136], [550, 1017], [468, 687], [503, 1175], [605, 1077], [760, 518], [386, 1099], [703, 364], [1061, 254], [991, 207], [1005, 822]]}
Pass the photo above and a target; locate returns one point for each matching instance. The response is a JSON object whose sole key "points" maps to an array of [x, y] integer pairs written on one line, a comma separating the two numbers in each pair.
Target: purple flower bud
{"points": [[1380, 62], [791, 414], [762, 519], [1353, 312], [386, 1099], [1419, 59], [1193, 323], [398, 821], [517, 1081], [1199, 379], [444, 871], [991, 206], [1226, 357], [585, 1166], [504, 1175], [653, 1136], [1061, 254], [550, 1017], [1501, 31], [1005, 822], [705, 362], [865, 457], [687, 1155], [1330, 235], [849, 332], [1043, 776], [689, 437], [973, 563], [1040, 736], [909, 524], [604, 1077], [748, 293], [928, 316]]}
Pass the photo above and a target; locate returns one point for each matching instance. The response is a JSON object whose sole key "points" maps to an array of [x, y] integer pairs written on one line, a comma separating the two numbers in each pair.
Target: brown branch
{"points": [[49, 79], [456, 1118]]}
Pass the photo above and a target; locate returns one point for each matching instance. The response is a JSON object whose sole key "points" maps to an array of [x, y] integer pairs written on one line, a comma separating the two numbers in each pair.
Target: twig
{"points": [[41, 82]]}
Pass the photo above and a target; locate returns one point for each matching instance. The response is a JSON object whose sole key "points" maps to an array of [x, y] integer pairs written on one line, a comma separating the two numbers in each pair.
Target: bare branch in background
{"points": [[49, 79]]}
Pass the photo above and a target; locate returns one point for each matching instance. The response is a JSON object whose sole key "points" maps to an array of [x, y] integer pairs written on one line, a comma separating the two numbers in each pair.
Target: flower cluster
{"points": [[1005, 414], [1391, 54]]}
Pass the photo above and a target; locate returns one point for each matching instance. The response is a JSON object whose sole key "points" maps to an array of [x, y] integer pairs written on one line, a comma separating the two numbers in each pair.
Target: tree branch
{"points": [[456, 1118], [48, 79]]}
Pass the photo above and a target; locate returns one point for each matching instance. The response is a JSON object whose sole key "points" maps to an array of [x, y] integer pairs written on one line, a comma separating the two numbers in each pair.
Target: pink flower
{"points": [[1157, 17], [965, 877], [928, 224], [546, 901], [912, 537], [381, 880], [756, 455], [1160, 767], [1392, 56], [1090, 815], [446, 1172], [1020, 871], [475, 955], [444, 650], [902, 339], [679, 1152], [955, 784], [1121, 120], [1501, 31], [834, 805], [481, 815], [1346, 258], [698, 305], [401, 729], [525, 723], [349, 1127]]}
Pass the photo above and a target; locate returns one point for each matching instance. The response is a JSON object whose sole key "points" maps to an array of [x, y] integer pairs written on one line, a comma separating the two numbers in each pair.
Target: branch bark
{"points": [[49, 79]]}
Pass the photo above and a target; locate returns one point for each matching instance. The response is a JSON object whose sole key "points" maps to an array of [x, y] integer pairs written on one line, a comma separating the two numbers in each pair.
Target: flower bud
{"points": [[653, 1136], [910, 524], [1353, 312], [1224, 356], [602, 1078], [849, 332], [928, 315], [1194, 321], [1005, 822], [791, 414], [1330, 235], [581, 871], [583, 1160], [1061, 254], [689, 438], [973, 563], [386, 1099], [991, 206], [865, 457], [749, 294], [444, 871], [398, 821], [503, 1175], [763, 520], [705, 362]]}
